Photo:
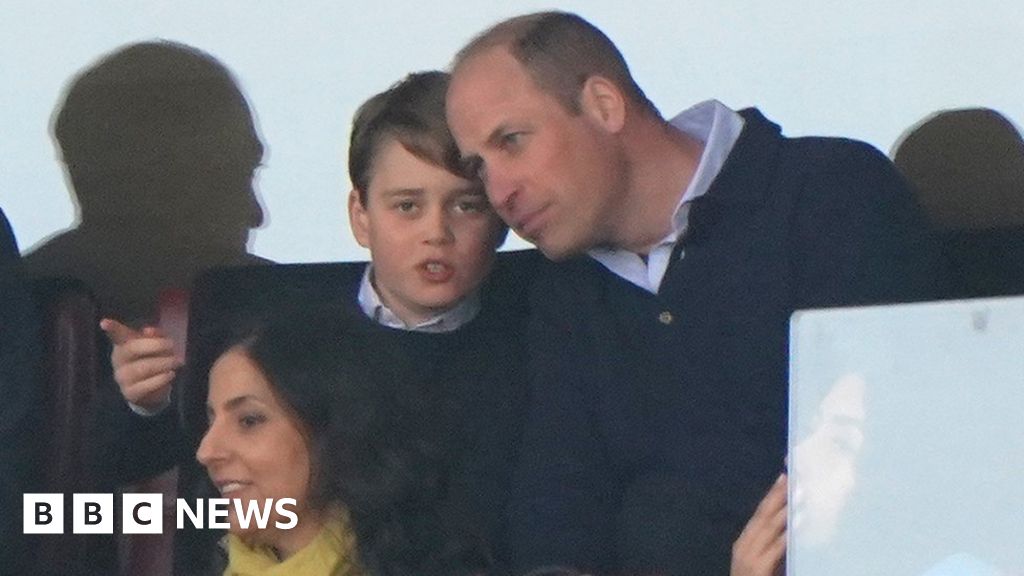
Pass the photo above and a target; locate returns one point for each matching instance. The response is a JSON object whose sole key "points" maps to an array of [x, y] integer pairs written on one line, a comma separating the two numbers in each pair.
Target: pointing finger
{"points": [[117, 332]]}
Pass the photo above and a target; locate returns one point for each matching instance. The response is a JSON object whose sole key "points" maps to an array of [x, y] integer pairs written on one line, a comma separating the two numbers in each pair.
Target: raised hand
{"points": [[144, 364], [761, 547]]}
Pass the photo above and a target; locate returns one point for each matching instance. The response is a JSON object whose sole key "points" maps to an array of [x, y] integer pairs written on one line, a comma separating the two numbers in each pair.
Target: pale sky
{"points": [[867, 70]]}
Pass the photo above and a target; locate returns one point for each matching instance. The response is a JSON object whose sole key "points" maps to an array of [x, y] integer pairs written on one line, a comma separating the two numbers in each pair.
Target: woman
{"points": [[310, 410], [268, 417]]}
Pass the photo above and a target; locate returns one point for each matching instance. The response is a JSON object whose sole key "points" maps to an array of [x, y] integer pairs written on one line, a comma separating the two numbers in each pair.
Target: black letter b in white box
{"points": [[93, 514], [43, 514]]}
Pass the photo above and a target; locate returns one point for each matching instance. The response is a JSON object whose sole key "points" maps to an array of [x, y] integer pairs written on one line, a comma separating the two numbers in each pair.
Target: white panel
{"points": [[907, 440]]}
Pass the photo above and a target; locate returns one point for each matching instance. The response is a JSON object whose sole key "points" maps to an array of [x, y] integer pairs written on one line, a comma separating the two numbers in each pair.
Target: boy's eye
{"points": [[471, 205], [405, 206]]}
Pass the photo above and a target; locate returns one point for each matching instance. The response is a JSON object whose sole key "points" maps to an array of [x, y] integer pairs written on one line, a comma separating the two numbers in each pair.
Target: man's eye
{"points": [[473, 205], [511, 140], [405, 206]]}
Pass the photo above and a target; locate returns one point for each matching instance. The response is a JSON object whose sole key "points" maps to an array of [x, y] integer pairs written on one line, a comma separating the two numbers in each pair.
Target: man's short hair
{"points": [[560, 51], [411, 112]]}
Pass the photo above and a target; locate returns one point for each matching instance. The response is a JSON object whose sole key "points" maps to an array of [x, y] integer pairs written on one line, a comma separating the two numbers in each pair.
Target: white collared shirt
{"points": [[373, 307], [718, 128]]}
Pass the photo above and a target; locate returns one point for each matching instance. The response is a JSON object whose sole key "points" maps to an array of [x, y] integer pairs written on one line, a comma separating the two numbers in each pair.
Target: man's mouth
{"points": [[529, 226]]}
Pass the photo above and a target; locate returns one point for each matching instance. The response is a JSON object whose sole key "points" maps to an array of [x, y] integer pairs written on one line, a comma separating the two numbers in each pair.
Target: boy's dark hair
{"points": [[411, 112]]}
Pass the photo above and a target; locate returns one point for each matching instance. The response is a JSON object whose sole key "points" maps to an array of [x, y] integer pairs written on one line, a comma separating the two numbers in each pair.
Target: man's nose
{"points": [[501, 189]]}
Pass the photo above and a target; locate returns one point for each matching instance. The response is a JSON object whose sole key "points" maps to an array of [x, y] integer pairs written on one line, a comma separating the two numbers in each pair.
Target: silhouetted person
{"points": [[20, 423], [968, 168], [160, 149]]}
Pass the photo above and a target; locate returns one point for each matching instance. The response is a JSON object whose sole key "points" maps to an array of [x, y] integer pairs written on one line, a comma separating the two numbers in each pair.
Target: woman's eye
{"points": [[251, 420]]}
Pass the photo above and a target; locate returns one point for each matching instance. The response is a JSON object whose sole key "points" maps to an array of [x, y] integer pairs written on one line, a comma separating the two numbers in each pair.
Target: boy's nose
{"points": [[439, 229]]}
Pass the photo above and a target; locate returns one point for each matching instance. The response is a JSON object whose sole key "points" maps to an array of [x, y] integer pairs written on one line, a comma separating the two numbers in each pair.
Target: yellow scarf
{"points": [[331, 553]]}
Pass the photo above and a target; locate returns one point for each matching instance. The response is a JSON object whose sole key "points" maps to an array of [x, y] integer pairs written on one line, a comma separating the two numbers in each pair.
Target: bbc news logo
{"points": [[143, 513]]}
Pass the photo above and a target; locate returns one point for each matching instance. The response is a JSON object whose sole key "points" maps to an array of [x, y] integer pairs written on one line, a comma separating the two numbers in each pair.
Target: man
{"points": [[659, 340]]}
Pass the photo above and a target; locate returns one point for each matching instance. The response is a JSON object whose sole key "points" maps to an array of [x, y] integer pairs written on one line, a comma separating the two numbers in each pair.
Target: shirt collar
{"points": [[718, 128], [447, 321]]}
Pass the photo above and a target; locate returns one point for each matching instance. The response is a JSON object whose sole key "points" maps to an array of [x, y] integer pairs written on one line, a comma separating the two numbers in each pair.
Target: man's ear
{"points": [[602, 100], [358, 219]]}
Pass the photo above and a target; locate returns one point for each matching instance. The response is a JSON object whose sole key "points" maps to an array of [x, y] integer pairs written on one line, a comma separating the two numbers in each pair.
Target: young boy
{"points": [[428, 292]]}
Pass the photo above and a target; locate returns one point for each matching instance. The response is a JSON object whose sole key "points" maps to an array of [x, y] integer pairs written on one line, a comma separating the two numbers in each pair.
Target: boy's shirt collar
{"points": [[448, 321]]}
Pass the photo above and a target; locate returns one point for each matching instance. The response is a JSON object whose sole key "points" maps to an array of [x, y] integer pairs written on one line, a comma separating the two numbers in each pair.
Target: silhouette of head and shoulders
{"points": [[160, 150], [967, 167]]}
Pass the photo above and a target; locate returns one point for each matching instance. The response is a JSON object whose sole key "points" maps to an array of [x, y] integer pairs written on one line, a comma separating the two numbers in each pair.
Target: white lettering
{"points": [[196, 516], [141, 513], [252, 510], [218, 508], [282, 510]]}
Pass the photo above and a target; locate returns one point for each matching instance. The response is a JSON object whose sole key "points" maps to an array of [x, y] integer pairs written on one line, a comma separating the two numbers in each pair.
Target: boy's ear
{"points": [[604, 102], [358, 219]]}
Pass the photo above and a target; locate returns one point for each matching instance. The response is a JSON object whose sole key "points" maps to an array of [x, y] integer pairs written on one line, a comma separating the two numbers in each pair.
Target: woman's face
{"points": [[254, 448], [825, 462]]}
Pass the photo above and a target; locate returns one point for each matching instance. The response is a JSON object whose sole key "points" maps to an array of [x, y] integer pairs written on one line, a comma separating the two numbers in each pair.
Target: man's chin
{"points": [[557, 253]]}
